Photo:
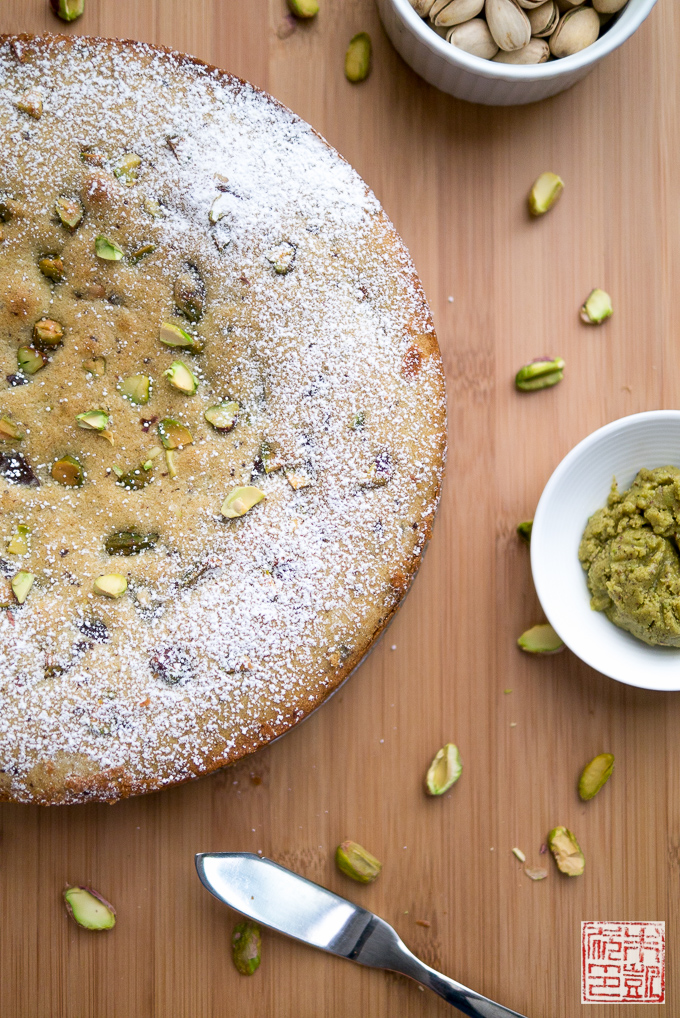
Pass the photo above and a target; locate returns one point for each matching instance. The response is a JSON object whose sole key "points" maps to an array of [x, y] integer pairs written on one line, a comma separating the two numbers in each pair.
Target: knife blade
{"points": [[276, 897]]}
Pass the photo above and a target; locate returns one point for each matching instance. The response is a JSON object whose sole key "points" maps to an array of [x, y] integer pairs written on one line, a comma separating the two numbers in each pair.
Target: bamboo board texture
{"points": [[453, 177]]}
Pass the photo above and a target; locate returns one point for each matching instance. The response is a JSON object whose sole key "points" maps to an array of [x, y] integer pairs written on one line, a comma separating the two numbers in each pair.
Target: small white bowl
{"points": [[578, 487], [483, 81]]}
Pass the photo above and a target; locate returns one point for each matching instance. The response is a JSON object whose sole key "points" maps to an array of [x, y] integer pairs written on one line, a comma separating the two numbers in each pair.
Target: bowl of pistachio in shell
{"points": [[508, 52], [605, 550]]}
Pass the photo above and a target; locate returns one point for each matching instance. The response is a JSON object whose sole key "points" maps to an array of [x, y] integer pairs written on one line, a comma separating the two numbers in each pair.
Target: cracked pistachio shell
{"points": [[540, 639], [21, 585], [358, 58], [524, 530], [70, 212], [107, 250], [222, 416], [566, 851], [474, 37], [94, 366], [18, 543], [536, 51], [136, 389], [421, 7], [9, 432], [47, 334], [31, 103], [597, 308], [93, 420], [181, 378], [68, 471], [508, 24], [594, 775], [111, 585], [89, 909], [68, 10], [303, 8], [576, 30], [543, 19], [30, 360], [444, 770], [354, 861], [246, 945], [240, 501], [540, 374], [545, 192], [456, 12], [172, 434], [173, 336], [53, 267]]}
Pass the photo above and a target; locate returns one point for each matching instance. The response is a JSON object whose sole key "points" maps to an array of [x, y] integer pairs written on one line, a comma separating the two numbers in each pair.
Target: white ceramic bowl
{"points": [[483, 81], [578, 487]]}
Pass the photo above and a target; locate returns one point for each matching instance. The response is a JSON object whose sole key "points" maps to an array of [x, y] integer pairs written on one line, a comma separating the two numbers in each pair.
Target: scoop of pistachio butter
{"points": [[629, 551]]}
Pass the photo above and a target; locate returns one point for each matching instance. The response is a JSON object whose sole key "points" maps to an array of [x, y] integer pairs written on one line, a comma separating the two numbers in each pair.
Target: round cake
{"points": [[222, 419]]}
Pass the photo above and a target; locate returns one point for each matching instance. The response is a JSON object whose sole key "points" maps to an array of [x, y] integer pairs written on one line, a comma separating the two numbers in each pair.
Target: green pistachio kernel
{"points": [[597, 308], [68, 10], [9, 432], [93, 420], [135, 479], [171, 335], [240, 501], [303, 8], [171, 463], [524, 530], [222, 416], [47, 334], [70, 212], [18, 543], [172, 434], [129, 542], [189, 294], [594, 775], [540, 374], [282, 257], [246, 943], [21, 585], [30, 360], [111, 585], [566, 851], [53, 267], [357, 421], [107, 250], [94, 366], [356, 862], [125, 168], [153, 208], [136, 389], [271, 456], [68, 471], [181, 378], [540, 639], [358, 58], [444, 770], [545, 192]]}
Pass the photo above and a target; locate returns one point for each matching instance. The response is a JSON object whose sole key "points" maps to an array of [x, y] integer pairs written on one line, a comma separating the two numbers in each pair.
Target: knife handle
{"points": [[466, 1000]]}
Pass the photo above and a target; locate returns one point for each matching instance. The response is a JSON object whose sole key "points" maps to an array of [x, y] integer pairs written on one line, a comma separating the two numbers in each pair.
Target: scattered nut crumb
{"points": [[423, 922], [519, 854]]}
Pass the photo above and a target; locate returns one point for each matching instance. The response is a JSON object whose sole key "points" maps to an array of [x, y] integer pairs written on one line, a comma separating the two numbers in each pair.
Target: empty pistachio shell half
{"points": [[222, 416], [456, 12], [125, 168], [70, 212], [129, 542], [594, 775], [21, 585], [30, 360], [566, 851], [545, 192], [282, 258], [474, 37], [246, 945], [53, 267], [181, 378], [47, 334], [576, 30], [106, 249], [172, 434], [68, 471], [540, 374], [354, 861], [540, 639], [240, 501], [535, 872], [18, 543], [597, 308], [507, 23], [171, 335], [9, 432], [303, 8], [358, 58], [93, 420], [31, 102], [524, 530], [68, 10], [89, 909], [189, 294], [111, 585], [444, 770], [136, 389], [536, 51]]}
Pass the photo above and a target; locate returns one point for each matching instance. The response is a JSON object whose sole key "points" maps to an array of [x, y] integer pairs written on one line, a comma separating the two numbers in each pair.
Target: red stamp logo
{"points": [[623, 963]]}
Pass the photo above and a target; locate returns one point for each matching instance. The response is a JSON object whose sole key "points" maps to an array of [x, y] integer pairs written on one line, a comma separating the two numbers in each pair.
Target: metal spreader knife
{"points": [[280, 899]]}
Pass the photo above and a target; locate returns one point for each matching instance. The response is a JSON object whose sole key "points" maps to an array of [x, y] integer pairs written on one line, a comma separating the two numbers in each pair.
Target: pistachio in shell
{"points": [[544, 19], [356, 862], [444, 770], [473, 37], [246, 944], [595, 775], [536, 51], [566, 852], [576, 30], [508, 24], [457, 12], [87, 908]]}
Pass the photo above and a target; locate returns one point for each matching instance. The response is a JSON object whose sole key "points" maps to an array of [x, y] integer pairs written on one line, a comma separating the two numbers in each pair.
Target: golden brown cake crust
{"points": [[312, 321]]}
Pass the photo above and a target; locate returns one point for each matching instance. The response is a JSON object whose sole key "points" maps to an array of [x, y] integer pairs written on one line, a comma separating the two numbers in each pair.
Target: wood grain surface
{"points": [[453, 177]]}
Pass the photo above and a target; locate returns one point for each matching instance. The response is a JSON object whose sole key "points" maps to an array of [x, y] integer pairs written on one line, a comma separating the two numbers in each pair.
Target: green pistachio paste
{"points": [[630, 553]]}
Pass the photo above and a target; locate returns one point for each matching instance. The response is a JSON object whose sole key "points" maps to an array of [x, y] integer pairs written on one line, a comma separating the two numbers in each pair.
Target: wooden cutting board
{"points": [[504, 289]]}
